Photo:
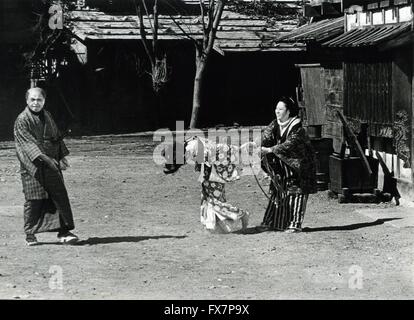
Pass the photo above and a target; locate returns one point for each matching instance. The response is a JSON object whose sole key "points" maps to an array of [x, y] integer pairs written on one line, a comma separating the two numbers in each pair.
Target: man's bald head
{"points": [[36, 89], [35, 99]]}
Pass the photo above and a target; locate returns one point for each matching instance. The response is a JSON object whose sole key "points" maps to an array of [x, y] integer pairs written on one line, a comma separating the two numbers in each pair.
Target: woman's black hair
{"points": [[291, 105]]}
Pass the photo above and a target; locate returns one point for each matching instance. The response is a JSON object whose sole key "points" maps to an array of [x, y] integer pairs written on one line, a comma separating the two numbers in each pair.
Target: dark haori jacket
{"points": [[295, 150], [36, 134]]}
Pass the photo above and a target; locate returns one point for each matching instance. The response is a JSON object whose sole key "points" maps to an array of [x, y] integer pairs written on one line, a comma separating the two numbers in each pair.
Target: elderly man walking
{"points": [[41, 152]]}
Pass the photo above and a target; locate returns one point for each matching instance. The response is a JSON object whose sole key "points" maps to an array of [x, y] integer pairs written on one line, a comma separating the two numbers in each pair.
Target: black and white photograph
{"points": [[219, 151]]}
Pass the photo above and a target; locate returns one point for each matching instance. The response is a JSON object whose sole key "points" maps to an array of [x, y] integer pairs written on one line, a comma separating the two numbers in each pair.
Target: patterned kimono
{"points": [[218, 168], [47, 206], [292, 166]]}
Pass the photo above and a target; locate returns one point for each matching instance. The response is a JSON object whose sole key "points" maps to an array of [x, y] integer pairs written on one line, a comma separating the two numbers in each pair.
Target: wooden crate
{"points": [[349, 174]]}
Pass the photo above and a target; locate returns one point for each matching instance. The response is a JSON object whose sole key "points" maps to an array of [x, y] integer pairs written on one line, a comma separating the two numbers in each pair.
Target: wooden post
{"points": [[412, 113], [354, 141], [412, 96]]}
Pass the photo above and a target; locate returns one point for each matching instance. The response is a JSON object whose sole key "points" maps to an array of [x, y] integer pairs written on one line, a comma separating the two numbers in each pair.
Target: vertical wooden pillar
{"points": [[412, 113], [412, 96]]}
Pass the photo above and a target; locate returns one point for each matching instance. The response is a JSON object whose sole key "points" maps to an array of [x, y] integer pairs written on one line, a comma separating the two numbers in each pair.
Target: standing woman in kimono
{"points": [[289, 159], [41, 152]]}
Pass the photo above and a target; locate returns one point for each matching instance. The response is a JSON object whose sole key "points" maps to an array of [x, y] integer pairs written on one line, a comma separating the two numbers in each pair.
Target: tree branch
{"points": [[182, 30], [202, 15], [146, 12], [210, 15], [212, 32], [143, 34], [155, 31]]}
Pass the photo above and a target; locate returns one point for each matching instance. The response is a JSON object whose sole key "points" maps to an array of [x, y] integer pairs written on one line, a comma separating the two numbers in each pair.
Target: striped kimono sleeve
{"points": [[25, 140]]}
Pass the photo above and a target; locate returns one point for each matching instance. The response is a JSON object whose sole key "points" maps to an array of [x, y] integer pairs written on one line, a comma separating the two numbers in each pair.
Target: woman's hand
{"points": [[249, 146], [266, 150]]}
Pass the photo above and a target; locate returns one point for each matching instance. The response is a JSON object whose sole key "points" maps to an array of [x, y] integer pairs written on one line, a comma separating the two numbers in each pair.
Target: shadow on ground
{"points": [[105, 240], [258, 229], [350, 226]]}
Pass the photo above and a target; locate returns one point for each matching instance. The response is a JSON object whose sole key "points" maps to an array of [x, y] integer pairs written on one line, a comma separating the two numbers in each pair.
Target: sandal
{"points": [[293, 230]]}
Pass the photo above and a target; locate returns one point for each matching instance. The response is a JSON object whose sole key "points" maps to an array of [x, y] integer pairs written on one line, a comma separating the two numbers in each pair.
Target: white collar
{"points": [[288, 125], [284, 124]]}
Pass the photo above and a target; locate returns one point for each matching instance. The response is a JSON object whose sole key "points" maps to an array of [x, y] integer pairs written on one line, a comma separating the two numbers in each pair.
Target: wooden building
{"points": [[362, 65], [102, 85], [246, 74]]}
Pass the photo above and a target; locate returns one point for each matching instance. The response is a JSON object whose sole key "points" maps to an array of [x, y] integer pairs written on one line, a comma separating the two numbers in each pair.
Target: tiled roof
{"points": [[236, 32], [368, 36], [319, 31]]}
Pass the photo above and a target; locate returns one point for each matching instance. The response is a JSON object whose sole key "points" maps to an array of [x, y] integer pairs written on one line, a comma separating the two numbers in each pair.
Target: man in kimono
{"points": [[41, 152]]}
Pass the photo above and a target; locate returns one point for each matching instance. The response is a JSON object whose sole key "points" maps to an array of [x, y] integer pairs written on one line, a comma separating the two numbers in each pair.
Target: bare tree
{"points": [[210, 17], [157, 59], [203, 50]]}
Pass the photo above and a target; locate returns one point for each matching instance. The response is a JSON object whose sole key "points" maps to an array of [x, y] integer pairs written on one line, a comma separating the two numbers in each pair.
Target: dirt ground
{"points": [[141, 239]]}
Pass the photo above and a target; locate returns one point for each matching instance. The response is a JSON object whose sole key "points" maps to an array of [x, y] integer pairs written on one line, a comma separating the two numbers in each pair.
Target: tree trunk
{"points": [[198, 84], [202, 55]]}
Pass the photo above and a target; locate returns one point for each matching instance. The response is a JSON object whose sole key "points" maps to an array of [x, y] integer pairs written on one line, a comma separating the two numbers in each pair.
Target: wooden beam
{"points": [[412, 98], [397, 2], [412, 114], [265, 49], [384, 4], [354, 9], [307, 65], [352, 139], [80, 50]]}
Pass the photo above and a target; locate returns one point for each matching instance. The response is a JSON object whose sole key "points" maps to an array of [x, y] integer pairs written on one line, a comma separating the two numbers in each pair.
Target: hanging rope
{"points": [[274, 179]]}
